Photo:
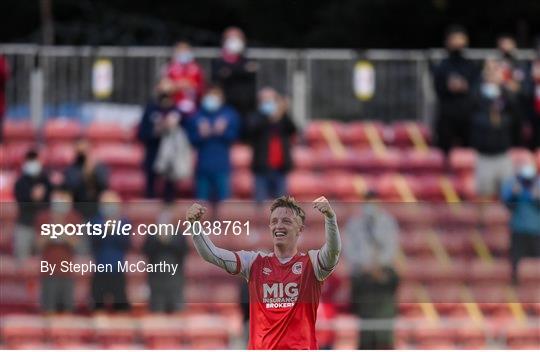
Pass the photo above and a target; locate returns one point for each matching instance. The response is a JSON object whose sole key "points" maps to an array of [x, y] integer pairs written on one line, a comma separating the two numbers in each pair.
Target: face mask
{"points": [[184, 57], [234, 45], [491, 90], [527, 172], [32, 168], [268, 108], [60, 207], [211, 103], [109, 210]]}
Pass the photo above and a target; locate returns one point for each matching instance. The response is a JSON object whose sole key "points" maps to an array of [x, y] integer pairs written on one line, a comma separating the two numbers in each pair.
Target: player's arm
{"points": [[328, 256], [228, 260]]}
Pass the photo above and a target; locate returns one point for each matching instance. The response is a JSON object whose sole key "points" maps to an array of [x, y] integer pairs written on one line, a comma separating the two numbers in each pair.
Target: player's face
{"points": [[285, 227]]}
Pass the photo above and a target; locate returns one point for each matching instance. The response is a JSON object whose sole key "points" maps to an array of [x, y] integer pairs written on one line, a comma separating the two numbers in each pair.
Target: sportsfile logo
{"points": [[279, 295]]}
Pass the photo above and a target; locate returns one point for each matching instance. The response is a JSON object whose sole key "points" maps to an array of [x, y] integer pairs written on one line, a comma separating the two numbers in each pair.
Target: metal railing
{"points": [[54, 81]]}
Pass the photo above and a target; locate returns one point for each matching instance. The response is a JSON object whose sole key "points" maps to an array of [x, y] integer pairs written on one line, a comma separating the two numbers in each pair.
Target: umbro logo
{"points": [[267, 271]]}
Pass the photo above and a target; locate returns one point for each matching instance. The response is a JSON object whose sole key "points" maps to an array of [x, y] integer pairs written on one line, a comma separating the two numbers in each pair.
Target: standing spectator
{"points": [[212, 130], [454, 78], [166, 290], [491, 133], [372, 243], [514, 74], [161, 117], [521, 194], [4, 75], [534, 93], [270, 130], [183, 79], [86, 179], [57, 290], [109, 250], [236, 74], [32, 190]]}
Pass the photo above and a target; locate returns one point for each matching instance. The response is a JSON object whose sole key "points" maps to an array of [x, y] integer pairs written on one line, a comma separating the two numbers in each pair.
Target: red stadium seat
{"points": [[399, 133], [517, 336], [520, 156], [62, 129], [19, 131], [529, 270], [304, 185], [7, 184], [59, 155], [314, 132], [480, 271], [119, 155], [412, 160], [65, 330], [13, 154], [130, 184], [19, 329], [369, 161], [241, 155], [355, 133], [462, 159], [113, 331], [99, 131], [304, 158], [242, 183]]}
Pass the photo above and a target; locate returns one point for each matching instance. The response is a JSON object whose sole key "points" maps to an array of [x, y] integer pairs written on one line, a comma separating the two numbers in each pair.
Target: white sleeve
{"points": [[324, 260], [232, 262]]}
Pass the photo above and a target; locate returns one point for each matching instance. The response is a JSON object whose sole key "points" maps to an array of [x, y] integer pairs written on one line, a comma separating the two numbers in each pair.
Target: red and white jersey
{"points": [[283, 299]]}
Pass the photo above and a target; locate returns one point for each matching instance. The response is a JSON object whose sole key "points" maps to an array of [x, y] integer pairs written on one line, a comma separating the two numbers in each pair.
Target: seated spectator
{"points": [[57, 288], [86, 179], [32, 190], [166, 290], [371, 244], [491, 133], [212, 130], [162, 120], [236, 74], [183, 79], [109, 250], [270, 130], [521, 194]]}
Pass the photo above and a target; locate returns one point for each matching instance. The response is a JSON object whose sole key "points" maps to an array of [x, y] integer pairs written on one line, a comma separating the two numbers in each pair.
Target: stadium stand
{"points": [[455, 287]]}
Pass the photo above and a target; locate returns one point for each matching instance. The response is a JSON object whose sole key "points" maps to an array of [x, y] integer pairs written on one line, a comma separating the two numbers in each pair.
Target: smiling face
{"points": [[285, 227]]}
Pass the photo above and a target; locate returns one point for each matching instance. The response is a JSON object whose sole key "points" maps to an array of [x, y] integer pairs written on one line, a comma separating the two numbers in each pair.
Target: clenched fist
{"points": [[322, 205], [195, 212]]}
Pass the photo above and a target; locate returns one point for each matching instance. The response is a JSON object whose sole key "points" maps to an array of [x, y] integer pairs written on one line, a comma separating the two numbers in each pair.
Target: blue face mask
{"points": [[491, 90], [268, 108], [211, 103], [184, 57]]}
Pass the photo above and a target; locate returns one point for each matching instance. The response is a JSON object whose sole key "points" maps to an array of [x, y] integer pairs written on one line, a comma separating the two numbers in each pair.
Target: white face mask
{"points": [[32, 168], [234, 45], [491, 90], [527, 172]]}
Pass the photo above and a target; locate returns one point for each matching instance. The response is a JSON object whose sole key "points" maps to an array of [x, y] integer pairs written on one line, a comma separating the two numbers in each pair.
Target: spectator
{"points": [[161, 119], [270, 130], [109, 250], [32, 190], [166, 290], [236, 74], [183, 79], [513, 79], [212, 130], [454, 78], [491, 133], [533, 92], [4, 75], [57, 288], [86, 179], [521, 194], [372, 238]]}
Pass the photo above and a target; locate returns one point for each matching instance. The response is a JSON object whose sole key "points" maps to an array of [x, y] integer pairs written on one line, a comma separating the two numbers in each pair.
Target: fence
{"points": [[53, 81]]}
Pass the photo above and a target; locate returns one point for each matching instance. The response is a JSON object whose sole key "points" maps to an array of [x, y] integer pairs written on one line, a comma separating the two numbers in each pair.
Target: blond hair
{"points": [[290, 203]]}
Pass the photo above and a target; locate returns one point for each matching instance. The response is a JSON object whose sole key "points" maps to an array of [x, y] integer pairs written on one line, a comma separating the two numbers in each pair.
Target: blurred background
{"points": [[420, 121]]}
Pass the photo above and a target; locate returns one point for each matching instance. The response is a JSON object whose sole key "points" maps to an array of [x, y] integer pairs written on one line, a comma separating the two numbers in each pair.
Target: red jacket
{"points": [[187, 99]]}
